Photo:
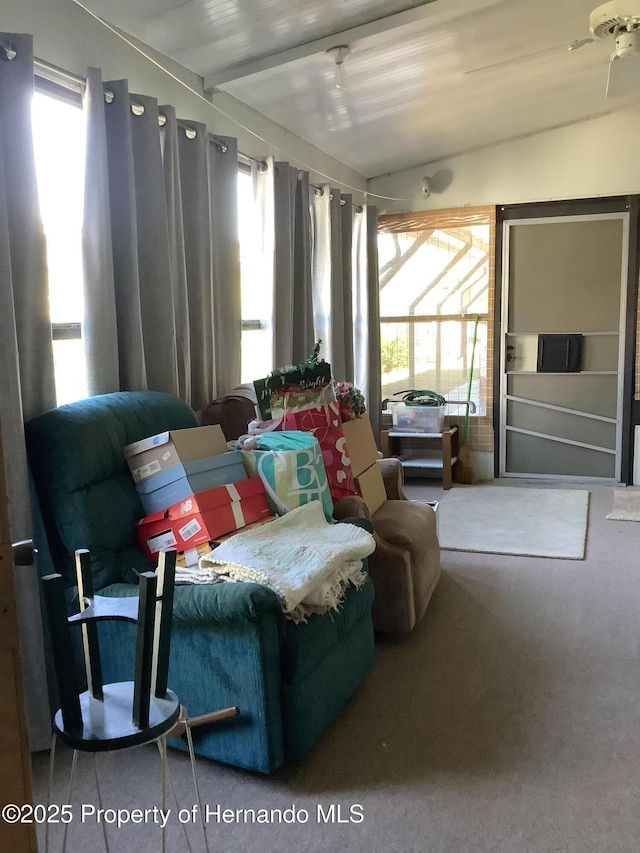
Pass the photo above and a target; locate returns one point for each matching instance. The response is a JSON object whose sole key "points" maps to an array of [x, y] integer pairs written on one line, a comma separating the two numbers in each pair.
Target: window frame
{"points": [[70, 93], [481, 424]]}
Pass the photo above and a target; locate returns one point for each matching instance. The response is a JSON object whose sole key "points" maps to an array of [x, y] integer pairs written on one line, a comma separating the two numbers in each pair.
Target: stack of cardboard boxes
{"points": [[193, 490]]}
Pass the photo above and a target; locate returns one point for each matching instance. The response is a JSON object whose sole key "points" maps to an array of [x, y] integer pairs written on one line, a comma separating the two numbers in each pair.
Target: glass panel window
{"points": [[256, 298], [435, 279], [436, 356], [59, 139]]}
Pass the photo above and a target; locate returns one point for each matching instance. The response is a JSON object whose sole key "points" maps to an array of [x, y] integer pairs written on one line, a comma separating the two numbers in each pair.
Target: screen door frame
{"points": [[567, 210]]}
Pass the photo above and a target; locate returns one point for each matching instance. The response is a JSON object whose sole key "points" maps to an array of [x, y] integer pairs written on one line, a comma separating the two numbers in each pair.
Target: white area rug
{"points": [[529, 522], [626, 505]]}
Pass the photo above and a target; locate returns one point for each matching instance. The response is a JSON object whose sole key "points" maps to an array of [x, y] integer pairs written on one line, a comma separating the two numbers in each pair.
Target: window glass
{"points": [[257, 299], [434, 282], [59, 144], [59, 139]]}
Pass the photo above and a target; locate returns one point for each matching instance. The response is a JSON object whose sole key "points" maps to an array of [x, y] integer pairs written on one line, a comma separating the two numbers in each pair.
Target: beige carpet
{"points": [[507, 722], [626, 505], [533, 522]]}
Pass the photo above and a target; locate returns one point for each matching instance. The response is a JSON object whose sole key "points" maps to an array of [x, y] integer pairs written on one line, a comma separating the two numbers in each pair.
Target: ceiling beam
{"points": [[442, 11]]}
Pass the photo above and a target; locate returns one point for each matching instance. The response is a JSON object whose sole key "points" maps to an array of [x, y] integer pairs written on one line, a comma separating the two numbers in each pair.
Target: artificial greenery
{"points": [[350, 400], [312, 373]]}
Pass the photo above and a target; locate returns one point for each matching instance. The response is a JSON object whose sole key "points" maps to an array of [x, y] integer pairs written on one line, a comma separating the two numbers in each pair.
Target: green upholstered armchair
{"points": [[231, 644]]}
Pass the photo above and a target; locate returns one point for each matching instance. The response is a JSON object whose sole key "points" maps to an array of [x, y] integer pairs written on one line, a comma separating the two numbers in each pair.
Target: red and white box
{"points": [[202, 517]]}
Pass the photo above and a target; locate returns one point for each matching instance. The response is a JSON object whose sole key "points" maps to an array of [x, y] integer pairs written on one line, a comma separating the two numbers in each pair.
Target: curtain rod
{"points": [[73, 82], [320, 191], [59, 77]]}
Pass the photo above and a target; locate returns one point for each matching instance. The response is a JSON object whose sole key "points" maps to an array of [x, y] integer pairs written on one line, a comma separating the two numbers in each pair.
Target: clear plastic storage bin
{"points": [[417, 418]]}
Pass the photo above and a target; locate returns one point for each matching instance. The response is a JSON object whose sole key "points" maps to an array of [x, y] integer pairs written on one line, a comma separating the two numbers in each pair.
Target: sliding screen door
{"points": [[563, 288]]}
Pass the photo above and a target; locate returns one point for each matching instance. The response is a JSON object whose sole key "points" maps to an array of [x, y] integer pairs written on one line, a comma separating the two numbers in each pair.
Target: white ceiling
{"points": [[413, 90]]}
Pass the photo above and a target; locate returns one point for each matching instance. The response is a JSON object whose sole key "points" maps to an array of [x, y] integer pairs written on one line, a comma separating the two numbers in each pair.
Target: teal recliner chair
{"points": [[231, 644]]}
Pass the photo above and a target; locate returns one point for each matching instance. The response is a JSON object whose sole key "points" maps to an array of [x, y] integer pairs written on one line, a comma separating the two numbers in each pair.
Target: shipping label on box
{"points": [[157, 533], [151, 456]]}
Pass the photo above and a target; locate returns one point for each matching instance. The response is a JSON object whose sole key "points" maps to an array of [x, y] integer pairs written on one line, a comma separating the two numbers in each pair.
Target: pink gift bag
{"points": [[325, 423]]}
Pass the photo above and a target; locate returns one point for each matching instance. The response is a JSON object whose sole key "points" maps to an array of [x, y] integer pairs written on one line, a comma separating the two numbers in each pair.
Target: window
{"points": [[59, 144], [257, 297], [436, 277], [59, 134]]}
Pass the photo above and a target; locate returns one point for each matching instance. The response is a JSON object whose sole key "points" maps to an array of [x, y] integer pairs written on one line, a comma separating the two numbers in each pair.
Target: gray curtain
{"points": [[331, 292], [27, 384], [333, 278], [293, 328], [341, 336], [192, 145], [320, 201], [371, 282], [366, 310], [227, 300], [176, 246], [346, 241], [162, 265]]}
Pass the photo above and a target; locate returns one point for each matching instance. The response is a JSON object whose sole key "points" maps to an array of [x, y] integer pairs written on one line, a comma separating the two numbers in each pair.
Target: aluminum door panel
{"points": [[563, 275], [534, 456]]}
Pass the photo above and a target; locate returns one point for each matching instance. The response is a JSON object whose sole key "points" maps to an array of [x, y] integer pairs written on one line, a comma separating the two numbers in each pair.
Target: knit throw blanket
{"points": [[304, 559]]}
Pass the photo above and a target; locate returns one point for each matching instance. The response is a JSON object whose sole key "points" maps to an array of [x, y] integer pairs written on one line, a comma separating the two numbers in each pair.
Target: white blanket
{"points": [[305, 560]]}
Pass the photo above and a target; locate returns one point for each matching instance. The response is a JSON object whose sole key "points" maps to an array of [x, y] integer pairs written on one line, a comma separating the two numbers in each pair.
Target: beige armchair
{"points": [[405, 567]]}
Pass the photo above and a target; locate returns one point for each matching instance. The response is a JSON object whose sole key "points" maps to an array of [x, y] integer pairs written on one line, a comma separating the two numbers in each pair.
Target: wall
{"points": [[590, 159], [594, 158], [67, 36]]}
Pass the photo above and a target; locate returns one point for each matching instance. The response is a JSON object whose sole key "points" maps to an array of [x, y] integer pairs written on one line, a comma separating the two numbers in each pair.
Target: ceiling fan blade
{"points": [[624, 75]]}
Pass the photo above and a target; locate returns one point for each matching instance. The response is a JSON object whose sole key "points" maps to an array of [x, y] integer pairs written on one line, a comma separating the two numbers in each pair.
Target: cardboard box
{"points": [[190, 558], [188, 478], [361, 444], [370, 484], [202, 517], [158, 453]]}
